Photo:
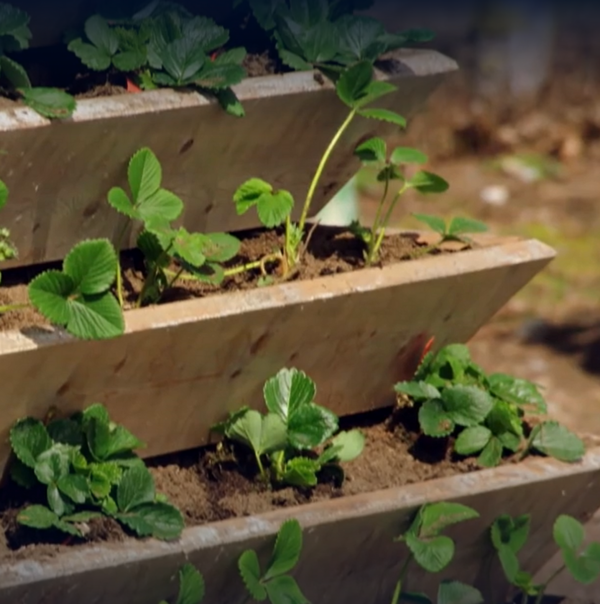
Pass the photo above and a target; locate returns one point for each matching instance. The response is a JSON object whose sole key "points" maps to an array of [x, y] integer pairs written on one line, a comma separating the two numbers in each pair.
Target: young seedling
{"points": [[429, 548], [484, 412], [88, 468], [191, 586], [275, 583], [374, 154], [509, 535], [356, 88], [162, 245], [14, 36], [293, 426], [456, 230]]}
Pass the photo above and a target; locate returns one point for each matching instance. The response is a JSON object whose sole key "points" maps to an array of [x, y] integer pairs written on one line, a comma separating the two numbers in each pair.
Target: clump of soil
{"points": [[331, 251], [219, 482]]}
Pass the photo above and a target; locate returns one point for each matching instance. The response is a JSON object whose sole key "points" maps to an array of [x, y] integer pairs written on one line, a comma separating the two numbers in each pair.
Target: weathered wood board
{"points": [[59, 173], [348, 554], [181, 367]]}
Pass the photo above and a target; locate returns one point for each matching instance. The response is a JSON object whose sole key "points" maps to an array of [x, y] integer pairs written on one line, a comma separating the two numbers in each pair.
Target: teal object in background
{"points": [[343, 208]]}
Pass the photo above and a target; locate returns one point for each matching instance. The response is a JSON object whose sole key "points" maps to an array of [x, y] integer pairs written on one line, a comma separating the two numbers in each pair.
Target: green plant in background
{"points": [[357, 89], [485, 412], [433, 552], [14, 37], [293, 427], [275, 584], [373, 153], [198, 254], [509, 535], [191, 586], [7, 249], [457, 229], [88, 467]]}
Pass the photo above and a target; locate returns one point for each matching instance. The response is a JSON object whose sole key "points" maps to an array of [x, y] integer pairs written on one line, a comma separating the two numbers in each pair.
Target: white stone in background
{"points": [[495, 195]]}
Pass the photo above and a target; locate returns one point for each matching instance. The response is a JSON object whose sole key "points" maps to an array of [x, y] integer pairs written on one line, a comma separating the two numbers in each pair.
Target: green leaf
{"points": [[14, 73], [221, 247], [3, 194], [375, 90], [492, 454], [250, 572], [28, 440], [353, 83], [289, 390], [471, 440], [460, 226], [215, 76], [434, 420], [556, 441], [384, 115], [467, 405], [284, 590], [23, 475], [286, 553], [56, 501], [136, 488], [432, 554], [509, 562], [264, 434], [584, 568], [426, 182], [510, 532], [418, 390], [301, 472], [359, 37], [157, 519], [92, 265], [49, 102], [230, 102], [568, 533], [372, 151], [82, 517], [435, 517], [191, 585], [406, 155], [519, 392], [455, 592], [75, 487], [37, 517], [310, 425], [345, 447], [101, 35], [12, 19], [144, 174], [65, 431], [52, 464], [273, 207], [89, 55], [433, 222]]}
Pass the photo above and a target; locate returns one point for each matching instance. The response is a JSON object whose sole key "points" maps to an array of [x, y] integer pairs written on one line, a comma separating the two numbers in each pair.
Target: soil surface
{"points": [[330, 252], [216, 483]]}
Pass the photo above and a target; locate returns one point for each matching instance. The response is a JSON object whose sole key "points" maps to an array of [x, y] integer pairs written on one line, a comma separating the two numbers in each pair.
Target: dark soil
{"points": [[331, 251], [220, 482]]}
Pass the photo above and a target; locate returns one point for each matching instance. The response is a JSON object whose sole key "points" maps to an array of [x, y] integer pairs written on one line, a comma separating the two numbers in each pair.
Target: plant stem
{"points": [[321, 168], [174, 278], [119, 275], [403, 571], [387, 219], [236, 270], [375, 227], [544, 586], [260, 466], [11, 307]]}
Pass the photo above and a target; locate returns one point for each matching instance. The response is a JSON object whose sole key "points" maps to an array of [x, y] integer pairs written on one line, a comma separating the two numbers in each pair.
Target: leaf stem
{"points": [[119, 275], [375, 227], [321, 168], [403, 571], [387, 219], [260, 466], [11, 307], [544, 586]]}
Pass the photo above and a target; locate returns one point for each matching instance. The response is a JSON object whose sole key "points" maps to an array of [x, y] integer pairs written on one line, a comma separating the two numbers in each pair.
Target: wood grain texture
{"points": [[59, 174], [181, 367], [348, 554]]}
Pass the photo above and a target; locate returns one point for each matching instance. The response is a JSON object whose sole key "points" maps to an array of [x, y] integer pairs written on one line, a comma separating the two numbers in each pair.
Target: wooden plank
{"points": [[183, 366], [59, 173], [348, 554]]}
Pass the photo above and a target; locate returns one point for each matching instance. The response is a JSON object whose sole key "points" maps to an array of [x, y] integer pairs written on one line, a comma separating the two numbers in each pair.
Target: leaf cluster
{"points": [[457, 229], [88, 469], [509, 535], [155, 208], [484, 412], [275, 584], [293, 427], [14, 37], [325, 34]]}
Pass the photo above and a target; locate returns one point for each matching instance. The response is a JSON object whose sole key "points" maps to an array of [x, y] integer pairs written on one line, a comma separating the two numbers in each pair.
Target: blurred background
{"points": [[516, 132]]}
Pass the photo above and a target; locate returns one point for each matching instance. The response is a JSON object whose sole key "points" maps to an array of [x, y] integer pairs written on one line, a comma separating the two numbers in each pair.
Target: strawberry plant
{"points": [[456, 230], [434, 551], [355, 88], [485, 413], [509, 535], [201, 255], [374, 154], [7, 249], [191, 586], [87, 469], [275, 584], [288, 433], [14, 36]]}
